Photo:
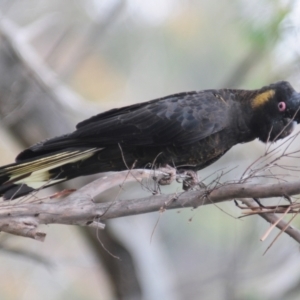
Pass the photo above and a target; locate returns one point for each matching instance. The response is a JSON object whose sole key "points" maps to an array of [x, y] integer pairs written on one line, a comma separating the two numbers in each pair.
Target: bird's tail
{"points": [[21, 178]]}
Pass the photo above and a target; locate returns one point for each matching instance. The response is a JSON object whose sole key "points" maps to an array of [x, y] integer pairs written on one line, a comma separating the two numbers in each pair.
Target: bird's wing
{"points": [[178, 120]]}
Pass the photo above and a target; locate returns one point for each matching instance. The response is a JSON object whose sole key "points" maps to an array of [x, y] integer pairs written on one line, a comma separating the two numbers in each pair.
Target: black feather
{"points": [[189, 130]]}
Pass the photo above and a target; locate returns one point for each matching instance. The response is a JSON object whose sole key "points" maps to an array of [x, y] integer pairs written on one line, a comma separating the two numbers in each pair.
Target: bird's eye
{"points": [[281, 106]]}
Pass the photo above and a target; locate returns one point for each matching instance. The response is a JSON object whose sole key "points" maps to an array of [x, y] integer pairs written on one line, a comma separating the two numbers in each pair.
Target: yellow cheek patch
{"points": [[262, 98]]}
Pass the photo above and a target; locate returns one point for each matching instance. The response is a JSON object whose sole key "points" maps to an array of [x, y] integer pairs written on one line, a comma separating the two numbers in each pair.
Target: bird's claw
{"points": [[169, 177], [190, 181]]}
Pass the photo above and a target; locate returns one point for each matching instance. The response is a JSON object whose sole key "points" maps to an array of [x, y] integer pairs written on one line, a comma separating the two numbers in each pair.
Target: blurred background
{"points": [[62, 61]]}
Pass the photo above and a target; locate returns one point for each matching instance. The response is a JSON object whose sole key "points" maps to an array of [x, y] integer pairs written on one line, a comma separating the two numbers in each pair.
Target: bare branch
{"points": [[274, 219], [79, 208]]}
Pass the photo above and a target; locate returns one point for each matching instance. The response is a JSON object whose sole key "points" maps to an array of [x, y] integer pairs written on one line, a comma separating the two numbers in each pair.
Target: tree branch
{"points": [[79, 208], [273, 218]]}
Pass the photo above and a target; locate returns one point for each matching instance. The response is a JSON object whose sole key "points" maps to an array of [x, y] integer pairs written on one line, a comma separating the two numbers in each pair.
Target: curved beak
{"points": [[293, 107]]}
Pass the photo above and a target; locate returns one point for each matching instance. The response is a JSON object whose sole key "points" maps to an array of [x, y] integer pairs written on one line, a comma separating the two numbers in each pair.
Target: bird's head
{"points": [[276, 109]]}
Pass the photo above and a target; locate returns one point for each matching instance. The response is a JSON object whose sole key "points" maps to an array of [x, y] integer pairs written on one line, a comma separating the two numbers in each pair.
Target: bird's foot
{"points": [[169, 177], [191, 180]]}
